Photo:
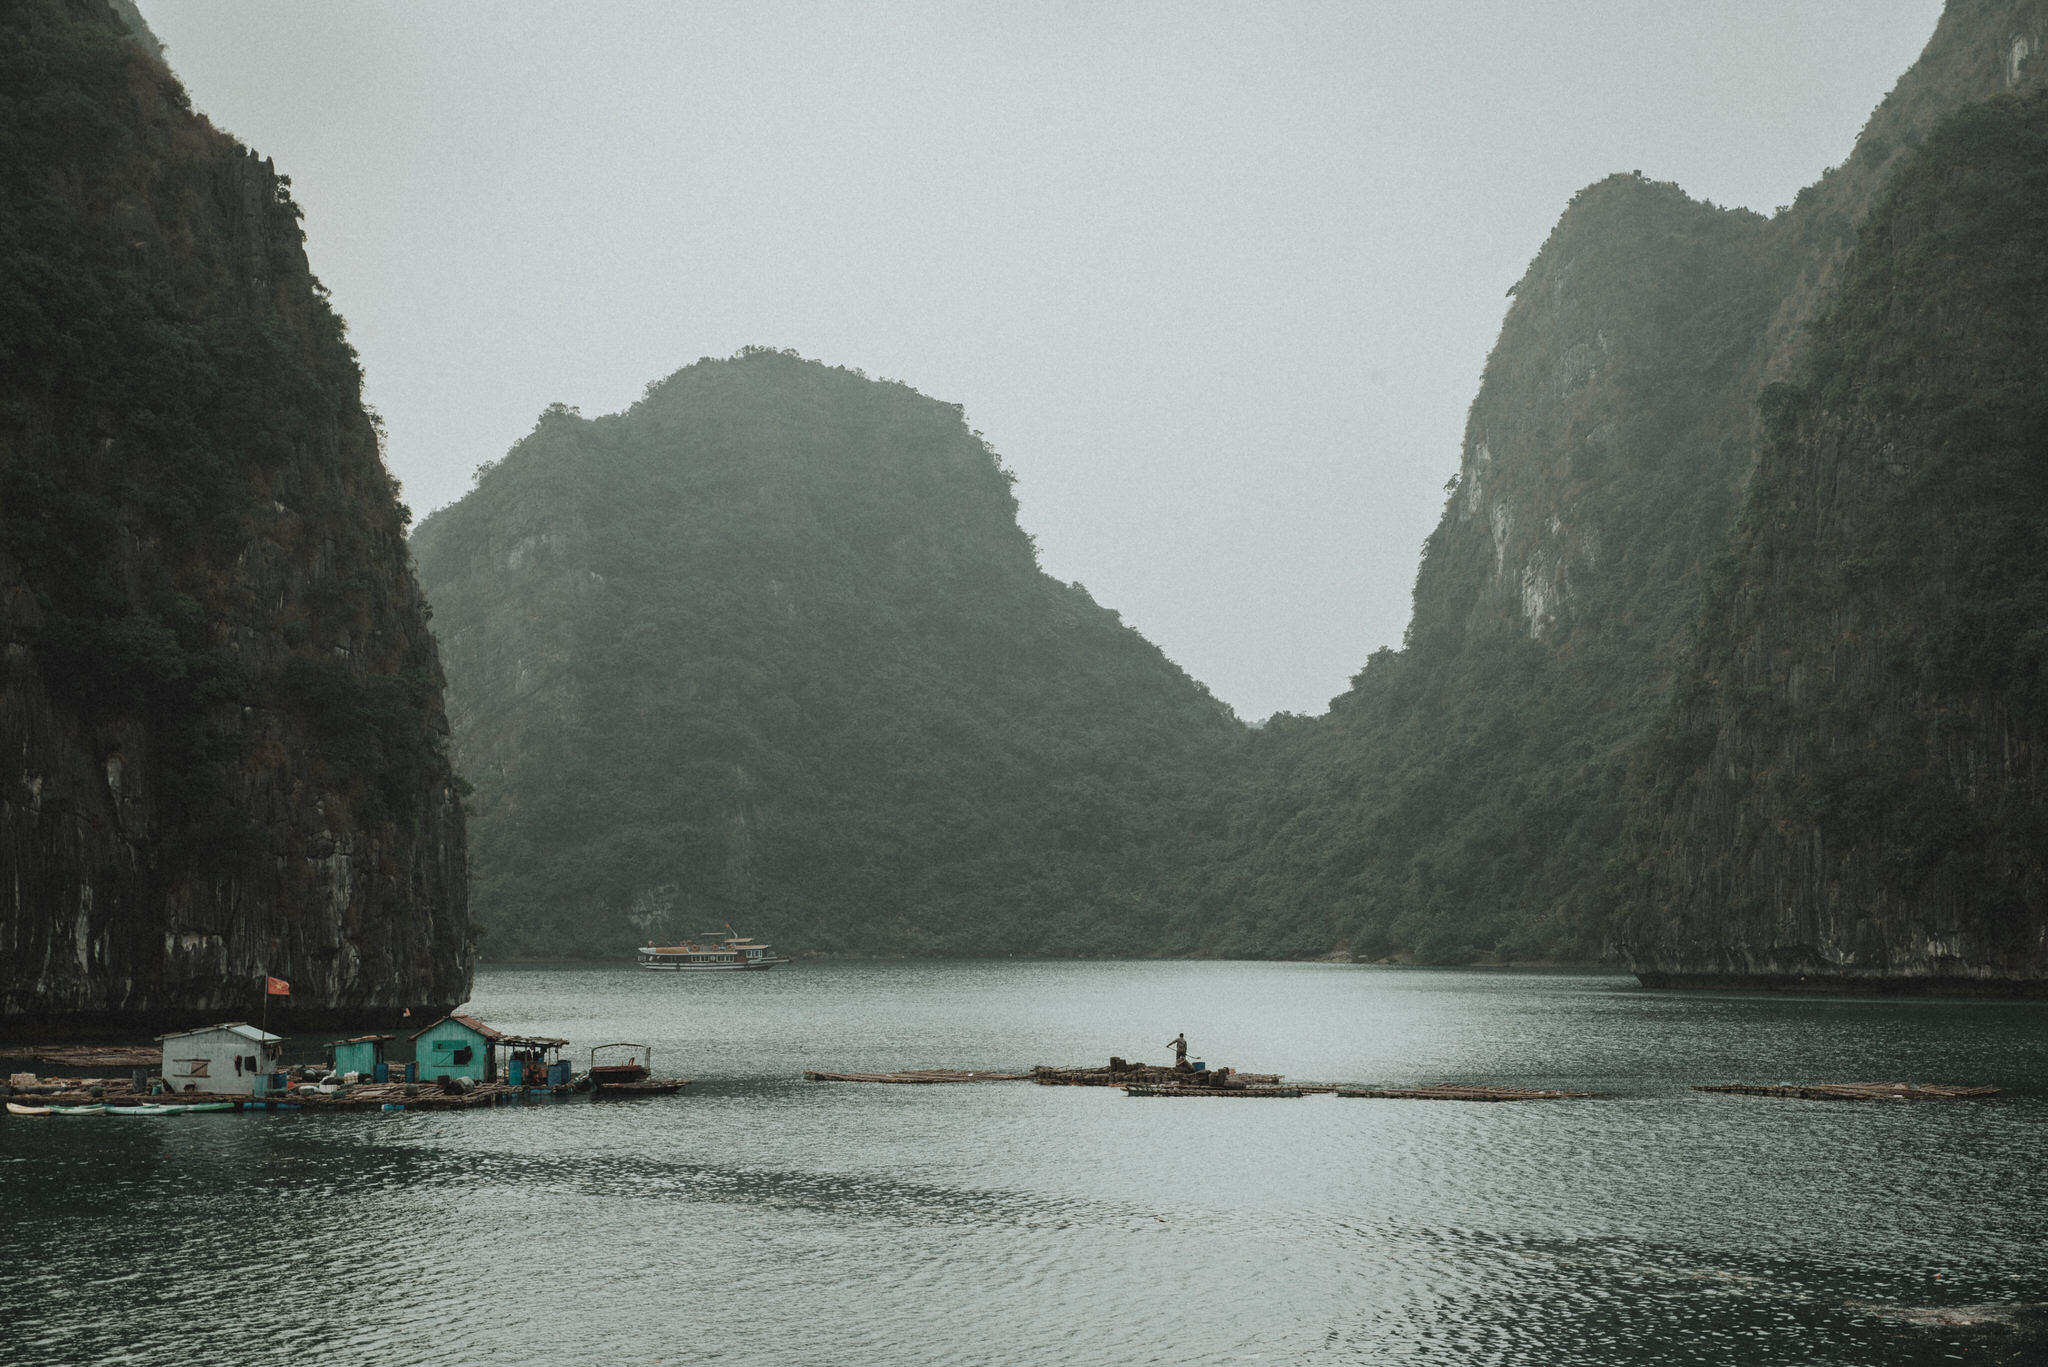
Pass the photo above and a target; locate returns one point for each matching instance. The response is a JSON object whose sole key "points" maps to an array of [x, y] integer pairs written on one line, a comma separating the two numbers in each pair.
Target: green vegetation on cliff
{"points": [[1464, 799], [770, 647]]}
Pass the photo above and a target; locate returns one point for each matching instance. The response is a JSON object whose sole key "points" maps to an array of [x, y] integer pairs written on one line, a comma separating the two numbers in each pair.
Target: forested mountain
{"points": [[770, 648], [1470, 796], [218, 694], [1723, 657]]}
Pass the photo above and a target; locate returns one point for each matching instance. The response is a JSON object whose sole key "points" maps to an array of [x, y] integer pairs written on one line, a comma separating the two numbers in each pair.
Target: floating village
{"points": [[460, 1062]]}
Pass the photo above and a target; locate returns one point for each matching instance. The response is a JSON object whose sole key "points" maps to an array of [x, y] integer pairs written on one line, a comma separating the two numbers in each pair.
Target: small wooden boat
{"points": [[612, 1072], [16, 1108]]}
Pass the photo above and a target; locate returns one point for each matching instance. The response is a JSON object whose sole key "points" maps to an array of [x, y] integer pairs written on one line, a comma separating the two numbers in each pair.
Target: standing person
{"points": [[1179, 1045]]}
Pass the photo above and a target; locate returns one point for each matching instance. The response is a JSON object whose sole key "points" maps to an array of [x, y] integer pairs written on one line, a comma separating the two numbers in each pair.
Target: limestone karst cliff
{"points": [[770, 648], [219, 702], [1473, 795], [1849, 788]]}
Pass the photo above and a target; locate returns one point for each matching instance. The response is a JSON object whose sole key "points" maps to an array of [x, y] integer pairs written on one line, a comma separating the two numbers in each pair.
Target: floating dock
{"points": [[120, 1093], [1448, 1091], [1851, 1091], [1148, 1089]]}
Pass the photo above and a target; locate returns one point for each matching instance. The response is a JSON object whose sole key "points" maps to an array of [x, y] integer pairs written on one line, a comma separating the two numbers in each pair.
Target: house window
{"points": [[194, 1067]]}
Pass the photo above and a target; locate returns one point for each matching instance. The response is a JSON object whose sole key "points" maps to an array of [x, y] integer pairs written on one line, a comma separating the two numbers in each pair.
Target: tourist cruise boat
{"points": [[709, 954]]}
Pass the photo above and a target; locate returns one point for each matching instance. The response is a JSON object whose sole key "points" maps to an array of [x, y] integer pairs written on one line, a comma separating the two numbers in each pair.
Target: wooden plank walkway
{"points": [[1455, 1092], [85, 1055], [1851, 1091]]}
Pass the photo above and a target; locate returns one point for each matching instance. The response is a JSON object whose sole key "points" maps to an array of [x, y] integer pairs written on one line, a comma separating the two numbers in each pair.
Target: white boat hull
{"points": [[753, 966]]}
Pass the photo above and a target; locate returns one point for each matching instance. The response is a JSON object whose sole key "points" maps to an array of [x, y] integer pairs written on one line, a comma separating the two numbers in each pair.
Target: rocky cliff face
{"points": [[1468, 797], [770, 648], [219, 699], [1851, 788]]}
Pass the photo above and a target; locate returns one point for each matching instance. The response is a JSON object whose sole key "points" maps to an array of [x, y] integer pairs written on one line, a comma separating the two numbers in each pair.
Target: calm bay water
{"points": [[761, 1219]]}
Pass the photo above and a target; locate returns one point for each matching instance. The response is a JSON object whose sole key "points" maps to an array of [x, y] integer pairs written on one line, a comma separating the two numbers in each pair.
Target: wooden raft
{"points": [[1851, 1091], [1148, 1089], [1453, 1092], [919, 1075], [1135, 1074]]}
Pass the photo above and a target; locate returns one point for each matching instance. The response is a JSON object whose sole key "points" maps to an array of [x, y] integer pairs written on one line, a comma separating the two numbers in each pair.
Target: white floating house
{"points": [[235, 1059]]}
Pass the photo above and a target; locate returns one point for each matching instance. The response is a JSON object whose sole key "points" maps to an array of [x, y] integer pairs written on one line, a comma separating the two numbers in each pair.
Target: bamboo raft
{"points": [[915, 1076], [1851, 1091], [1138, 1074], [1150, 1089], [1447, 1091]]}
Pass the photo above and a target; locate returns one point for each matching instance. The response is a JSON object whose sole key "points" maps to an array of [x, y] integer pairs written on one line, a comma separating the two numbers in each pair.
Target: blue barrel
{"points": [[558, 1073], [412, 1072], [1198, 1065], [381, 1073], [515, 1072]]}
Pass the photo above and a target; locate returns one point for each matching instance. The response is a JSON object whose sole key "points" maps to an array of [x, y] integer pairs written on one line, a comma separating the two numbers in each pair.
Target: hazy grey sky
{"points": [[1217, 279]]}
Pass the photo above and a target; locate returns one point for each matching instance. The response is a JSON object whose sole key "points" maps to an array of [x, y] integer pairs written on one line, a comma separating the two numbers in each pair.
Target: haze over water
{"points": [[758, 1218]]}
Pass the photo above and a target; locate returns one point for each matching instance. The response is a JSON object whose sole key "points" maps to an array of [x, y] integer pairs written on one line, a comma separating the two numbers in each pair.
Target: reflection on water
{"points": [[760, 1219]]}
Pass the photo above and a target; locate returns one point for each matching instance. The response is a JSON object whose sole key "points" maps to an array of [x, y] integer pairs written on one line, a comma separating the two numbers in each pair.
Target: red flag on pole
{"points": [[276, 987]]}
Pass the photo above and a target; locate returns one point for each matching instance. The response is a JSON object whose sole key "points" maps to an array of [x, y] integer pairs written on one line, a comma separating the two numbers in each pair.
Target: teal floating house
{"points": [[361, 1054], [457, 1046]]}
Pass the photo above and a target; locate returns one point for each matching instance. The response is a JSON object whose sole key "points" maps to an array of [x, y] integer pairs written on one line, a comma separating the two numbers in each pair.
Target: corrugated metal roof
{"points": [[242, 1028], [471, 1021]]}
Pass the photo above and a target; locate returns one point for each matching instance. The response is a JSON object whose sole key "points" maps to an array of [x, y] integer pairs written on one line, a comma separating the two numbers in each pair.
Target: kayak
{"points": [[16, 1108], [99, 1108], [204, 1106], [147, 1108]]}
